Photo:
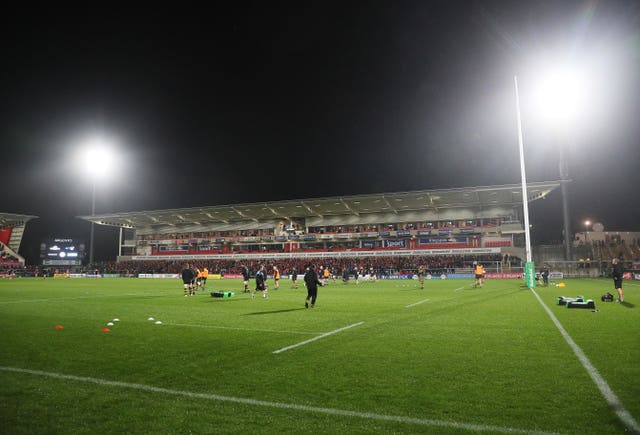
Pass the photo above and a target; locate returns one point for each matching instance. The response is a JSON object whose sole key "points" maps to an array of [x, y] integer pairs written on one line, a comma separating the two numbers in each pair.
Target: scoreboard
{"points": [[61, 251]]}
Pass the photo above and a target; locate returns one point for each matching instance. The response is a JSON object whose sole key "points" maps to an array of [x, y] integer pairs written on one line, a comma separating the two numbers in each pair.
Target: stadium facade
{"points": [[471, 220]]}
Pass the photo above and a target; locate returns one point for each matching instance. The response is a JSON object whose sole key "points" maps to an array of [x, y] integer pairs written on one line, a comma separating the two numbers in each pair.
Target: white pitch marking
{"points": [[458, 289], [280, 405], [302, 343], [191, 325], [611, 398], [71, 298], [417, 303]]}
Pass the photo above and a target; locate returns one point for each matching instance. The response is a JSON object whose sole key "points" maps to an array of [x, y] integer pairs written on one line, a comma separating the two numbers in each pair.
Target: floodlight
{"points": [[560, 94], [98, 156]]}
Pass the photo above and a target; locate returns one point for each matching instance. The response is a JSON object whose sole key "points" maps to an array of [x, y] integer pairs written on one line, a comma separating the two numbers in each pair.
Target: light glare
{"points": [[561, 95], [98, 157]]}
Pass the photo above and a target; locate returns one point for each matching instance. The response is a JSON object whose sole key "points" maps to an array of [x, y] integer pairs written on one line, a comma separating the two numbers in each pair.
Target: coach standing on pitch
{"points": [[312, 282], [617, 278]]}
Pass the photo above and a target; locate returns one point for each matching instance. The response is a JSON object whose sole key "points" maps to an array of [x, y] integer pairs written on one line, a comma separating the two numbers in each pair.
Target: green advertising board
{"points": [[530, 274]]}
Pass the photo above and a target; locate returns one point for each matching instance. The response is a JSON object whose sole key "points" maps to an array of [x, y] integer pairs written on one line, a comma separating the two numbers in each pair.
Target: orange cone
{"points": [[58, 326], [106, 330]]}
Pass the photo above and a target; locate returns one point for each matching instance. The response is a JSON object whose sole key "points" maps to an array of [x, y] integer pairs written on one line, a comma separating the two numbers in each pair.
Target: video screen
{"points": [[62, 251]]}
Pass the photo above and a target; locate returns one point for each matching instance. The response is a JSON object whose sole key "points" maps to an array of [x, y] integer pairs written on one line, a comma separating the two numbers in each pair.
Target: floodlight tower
{"points": [[97, 161], [561, 95]]}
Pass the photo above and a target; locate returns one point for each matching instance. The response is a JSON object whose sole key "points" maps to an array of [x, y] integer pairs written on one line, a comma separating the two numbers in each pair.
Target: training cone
{"points": [[58, 326], [158, 322], [150, 318], [106, 330]]}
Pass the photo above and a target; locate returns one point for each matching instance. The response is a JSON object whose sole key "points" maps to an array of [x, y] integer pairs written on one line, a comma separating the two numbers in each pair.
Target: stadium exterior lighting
{"points": [[97, 159], [587, 224]]}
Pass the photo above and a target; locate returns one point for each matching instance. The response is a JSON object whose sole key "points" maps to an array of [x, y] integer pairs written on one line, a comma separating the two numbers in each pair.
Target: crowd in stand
{"points": [[381, 265]]}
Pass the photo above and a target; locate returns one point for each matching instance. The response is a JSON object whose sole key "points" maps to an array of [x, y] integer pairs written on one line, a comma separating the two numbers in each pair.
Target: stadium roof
{"points": [[239, 215], [13, 220]]}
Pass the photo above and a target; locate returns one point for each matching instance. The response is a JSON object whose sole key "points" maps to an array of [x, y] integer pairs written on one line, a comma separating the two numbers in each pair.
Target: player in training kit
{"points": [[187, 280], [261, 282], [205, 275], [276, 278], [245, 278], [294, 277], [325, 275], [421, 271], [198, 278], [479, 273]]}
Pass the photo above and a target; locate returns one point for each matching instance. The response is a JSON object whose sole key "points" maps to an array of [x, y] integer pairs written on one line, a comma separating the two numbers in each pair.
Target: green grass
{"points": [[487, 358]]}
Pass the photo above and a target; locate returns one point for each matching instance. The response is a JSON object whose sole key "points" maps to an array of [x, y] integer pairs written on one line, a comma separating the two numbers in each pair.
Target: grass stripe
{"points": [[191, 325], [302, 343], [280, 405], [611, 398], [417, 303]]}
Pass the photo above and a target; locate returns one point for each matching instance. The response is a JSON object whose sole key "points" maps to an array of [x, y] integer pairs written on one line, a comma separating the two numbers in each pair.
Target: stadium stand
{"points": [[11, 231], [462, 221]]}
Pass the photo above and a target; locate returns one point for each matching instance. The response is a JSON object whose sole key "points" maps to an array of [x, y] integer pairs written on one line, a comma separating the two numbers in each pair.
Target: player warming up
{"points": [[245, 278], [312, 282], [187, 280], [276, 278], [261, 282], [479, 273]]}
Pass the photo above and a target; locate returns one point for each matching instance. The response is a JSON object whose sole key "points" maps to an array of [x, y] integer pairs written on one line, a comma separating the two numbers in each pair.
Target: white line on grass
{"points": [[280, 405], [611, 398], [71, 298], [459, 288], [191, 325], [417, 303], [302, 343]]}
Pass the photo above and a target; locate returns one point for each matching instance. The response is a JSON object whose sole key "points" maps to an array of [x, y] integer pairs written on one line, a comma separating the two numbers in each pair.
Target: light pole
{"points": [[97, 161], [564, 187], [93, 213], [560, 96]]}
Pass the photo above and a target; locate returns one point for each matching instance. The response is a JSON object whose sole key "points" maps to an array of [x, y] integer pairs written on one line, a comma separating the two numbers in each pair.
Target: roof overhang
{"points": [[269, 213], [14, 220]]}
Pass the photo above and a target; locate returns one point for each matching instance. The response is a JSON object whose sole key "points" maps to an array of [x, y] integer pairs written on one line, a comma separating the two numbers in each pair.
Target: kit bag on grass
{"points": [[608, 297]]}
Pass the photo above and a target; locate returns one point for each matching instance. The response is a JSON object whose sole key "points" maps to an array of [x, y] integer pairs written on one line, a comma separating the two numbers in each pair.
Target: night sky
{"points": [[265, 101]]}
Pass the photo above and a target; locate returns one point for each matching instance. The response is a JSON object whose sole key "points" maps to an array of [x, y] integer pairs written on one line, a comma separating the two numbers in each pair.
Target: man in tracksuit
{"points": [[312, 282], [245, 277], [617, 275], [261, 282]]}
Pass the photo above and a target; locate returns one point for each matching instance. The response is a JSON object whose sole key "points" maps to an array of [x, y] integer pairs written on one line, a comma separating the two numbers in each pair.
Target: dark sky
{"points": [[266, 101]]}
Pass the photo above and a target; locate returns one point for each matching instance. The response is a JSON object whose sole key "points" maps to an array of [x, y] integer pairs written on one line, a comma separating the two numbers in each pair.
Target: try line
{"points": [[302, 343]]}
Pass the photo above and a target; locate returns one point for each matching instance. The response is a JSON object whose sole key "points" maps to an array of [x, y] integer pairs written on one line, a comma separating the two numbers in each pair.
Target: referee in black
{"points": [[312, 282]]}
